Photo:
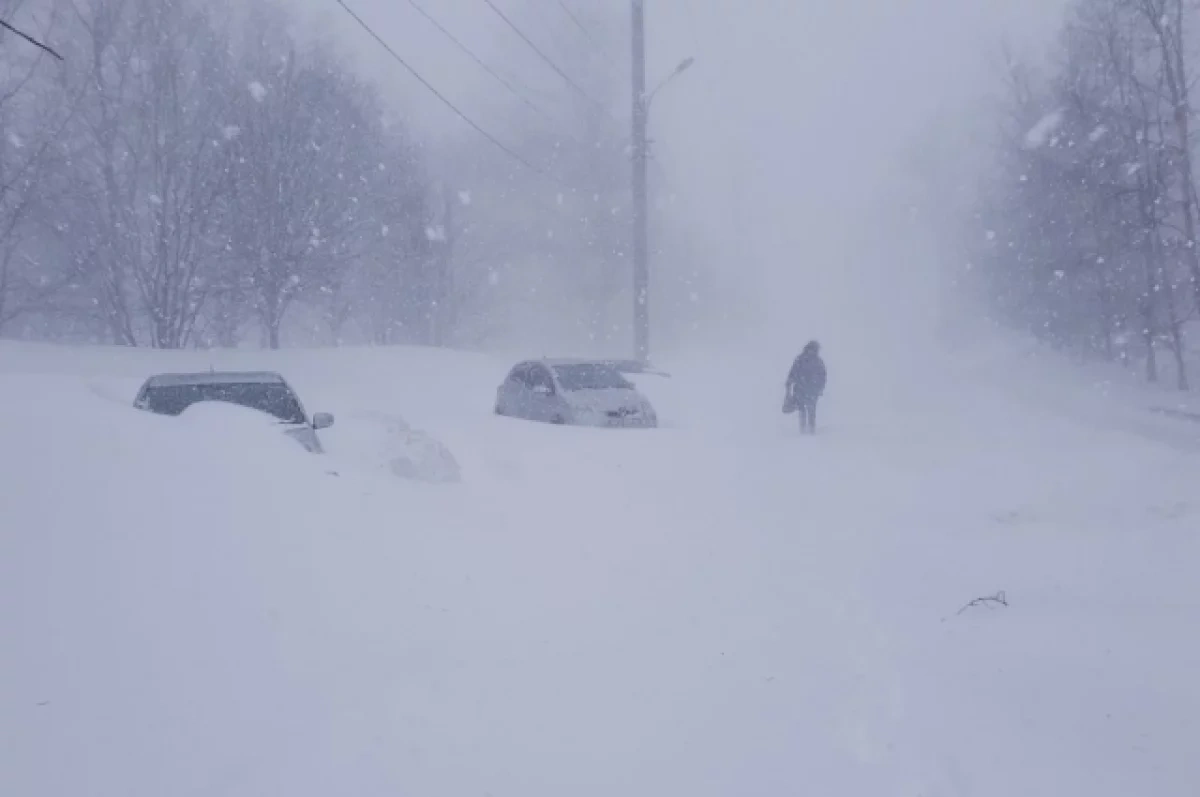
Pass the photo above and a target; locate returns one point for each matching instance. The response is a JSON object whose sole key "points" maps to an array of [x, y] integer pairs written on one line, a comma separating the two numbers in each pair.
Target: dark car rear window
{"points": [[273, 398]]}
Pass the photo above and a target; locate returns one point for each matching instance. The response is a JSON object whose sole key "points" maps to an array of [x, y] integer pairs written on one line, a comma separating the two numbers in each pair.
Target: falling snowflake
{"points": [[385, 230], [1097, 134], [230, 132], [435, 233], [257, 90], [464, 197], [1039, 135], [15, 140], [493, 278]]}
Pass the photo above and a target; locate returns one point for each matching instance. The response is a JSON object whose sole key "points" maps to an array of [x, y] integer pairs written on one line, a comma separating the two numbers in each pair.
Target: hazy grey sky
{"points": [[781, 143]]}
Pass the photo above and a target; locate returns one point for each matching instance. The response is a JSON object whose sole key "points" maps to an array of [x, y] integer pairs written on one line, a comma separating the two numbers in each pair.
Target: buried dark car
{"points": [[265, 391]]}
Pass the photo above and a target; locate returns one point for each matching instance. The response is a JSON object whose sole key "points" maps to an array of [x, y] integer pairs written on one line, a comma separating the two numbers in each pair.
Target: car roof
{"points": [[626, 367], [215, 378], [553, 361]]}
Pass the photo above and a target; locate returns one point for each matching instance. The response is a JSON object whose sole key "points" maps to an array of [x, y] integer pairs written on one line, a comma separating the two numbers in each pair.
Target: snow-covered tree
{"points": [[189, 167], [310, 147], [1086, 233]]}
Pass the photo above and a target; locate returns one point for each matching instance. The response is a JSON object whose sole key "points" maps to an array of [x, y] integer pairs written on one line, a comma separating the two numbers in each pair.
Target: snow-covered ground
{"points": [[190, 606]]}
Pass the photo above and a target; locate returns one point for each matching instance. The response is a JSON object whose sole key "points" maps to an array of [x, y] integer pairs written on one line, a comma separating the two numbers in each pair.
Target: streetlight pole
{"points": [[641, 110], [641, 271]]}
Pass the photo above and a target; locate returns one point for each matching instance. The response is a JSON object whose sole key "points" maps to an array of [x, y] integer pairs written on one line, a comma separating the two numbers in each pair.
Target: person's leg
{"points": [[812, 417], [806, 417]]}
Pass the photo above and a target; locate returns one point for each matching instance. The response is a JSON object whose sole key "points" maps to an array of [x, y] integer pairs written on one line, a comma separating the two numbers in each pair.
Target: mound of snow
{"points": [[380, 439], [147, 592], [423, 458], [224, 418]]}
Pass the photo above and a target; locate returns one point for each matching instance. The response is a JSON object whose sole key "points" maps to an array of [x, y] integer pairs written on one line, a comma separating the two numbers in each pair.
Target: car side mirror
{"points": [[322, 420]]}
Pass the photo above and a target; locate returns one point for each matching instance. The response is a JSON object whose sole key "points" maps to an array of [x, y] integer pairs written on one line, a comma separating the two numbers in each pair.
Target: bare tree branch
{"points": [[999, 599]]}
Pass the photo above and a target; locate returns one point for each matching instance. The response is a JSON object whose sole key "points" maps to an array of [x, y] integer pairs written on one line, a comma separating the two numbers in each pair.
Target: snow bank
{"points": [[720, 607], [147, 601], [1097, 395]]}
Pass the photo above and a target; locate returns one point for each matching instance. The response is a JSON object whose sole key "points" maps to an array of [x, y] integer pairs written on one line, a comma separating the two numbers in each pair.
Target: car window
{"points": [[275, 399], [519, 375], [540, 377], [590, 376]]}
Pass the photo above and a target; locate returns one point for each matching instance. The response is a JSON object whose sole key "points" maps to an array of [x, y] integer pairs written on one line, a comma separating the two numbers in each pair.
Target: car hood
{"points": [[606, 400]]}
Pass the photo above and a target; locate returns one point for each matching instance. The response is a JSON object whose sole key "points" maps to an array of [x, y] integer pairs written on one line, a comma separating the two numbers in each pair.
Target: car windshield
{"points": [[590, 376], [275, 399]]}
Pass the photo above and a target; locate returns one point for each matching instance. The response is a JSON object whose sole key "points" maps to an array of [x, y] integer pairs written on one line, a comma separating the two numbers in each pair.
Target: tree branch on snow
{"points": [[991, 601]]}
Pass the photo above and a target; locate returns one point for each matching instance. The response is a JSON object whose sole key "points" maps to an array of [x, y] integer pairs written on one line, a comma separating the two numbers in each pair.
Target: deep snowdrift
{"points": [[717, 607]]}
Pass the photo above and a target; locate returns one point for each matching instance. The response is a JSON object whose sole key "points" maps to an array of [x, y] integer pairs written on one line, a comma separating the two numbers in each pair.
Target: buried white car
{"points": [[575, 392], [265, 391]]}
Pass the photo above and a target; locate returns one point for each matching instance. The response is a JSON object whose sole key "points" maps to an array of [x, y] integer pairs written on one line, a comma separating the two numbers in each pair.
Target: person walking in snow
{"points": [[806, 384]]}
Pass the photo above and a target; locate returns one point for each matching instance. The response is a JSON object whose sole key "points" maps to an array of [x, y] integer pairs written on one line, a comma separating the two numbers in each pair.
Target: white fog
{"points": [[338, 455]]}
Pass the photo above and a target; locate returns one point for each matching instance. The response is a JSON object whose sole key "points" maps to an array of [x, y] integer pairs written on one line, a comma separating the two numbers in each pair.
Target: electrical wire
{"points": [[583, 28], [542, 55], [362, 23], [466, 50], [30, 39]]}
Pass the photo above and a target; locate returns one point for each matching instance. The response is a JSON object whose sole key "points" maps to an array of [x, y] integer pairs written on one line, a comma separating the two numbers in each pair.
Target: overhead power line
{"points": [[542, 55], [500, 145], [30, 39], [583, 28], [454, 40]]}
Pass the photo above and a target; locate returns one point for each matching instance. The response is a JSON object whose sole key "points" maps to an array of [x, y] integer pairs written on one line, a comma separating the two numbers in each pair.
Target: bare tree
{"points": [[191, 168], [30, 128], [1101, 207], [308, 144]]}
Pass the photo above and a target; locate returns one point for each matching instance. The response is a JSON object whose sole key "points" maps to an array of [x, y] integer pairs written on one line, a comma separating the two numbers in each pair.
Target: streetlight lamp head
{"points": [[684, 64]]}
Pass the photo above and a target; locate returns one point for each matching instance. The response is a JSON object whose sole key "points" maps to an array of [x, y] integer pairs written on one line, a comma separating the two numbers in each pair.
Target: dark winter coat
{"points": [[806, 380]]}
